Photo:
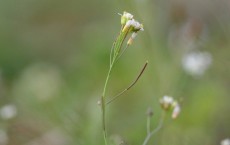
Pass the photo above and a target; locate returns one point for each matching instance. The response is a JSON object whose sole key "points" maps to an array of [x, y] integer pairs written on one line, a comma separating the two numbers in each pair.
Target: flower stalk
{"points": [[167, 104], [151, 133], [128, 25]]}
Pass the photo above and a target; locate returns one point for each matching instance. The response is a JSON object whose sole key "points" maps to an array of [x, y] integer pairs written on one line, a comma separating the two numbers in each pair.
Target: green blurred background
{"points": [[54, 57]]}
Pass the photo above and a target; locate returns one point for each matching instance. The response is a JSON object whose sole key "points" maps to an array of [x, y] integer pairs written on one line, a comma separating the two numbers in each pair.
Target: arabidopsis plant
{"points": [[128, 26]]}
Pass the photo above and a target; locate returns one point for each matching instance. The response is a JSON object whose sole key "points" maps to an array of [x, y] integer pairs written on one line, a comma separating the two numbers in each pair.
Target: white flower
{"points": [[8, 111], [167, 99], [137, 26], [196, 63], [127, 15], [176, 111], [166, 102], [128, 24], [134, 24], [225, 142], [142, 29]]}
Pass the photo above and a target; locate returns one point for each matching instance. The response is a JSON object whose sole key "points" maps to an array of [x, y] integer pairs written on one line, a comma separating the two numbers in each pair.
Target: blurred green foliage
{"points": [[54, 56]]}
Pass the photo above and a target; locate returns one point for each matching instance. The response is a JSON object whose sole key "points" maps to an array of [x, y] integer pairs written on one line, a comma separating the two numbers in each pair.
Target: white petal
{"points": [[128, 15], [176, 111]]}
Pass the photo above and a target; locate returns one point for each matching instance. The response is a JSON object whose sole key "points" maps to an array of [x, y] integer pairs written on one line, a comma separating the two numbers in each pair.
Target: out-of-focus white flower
{"points": [[3, 137], [225, 142], [167, 99], [8, 111], [196, 63], [99, 102], [176, 111], [166, 102]]}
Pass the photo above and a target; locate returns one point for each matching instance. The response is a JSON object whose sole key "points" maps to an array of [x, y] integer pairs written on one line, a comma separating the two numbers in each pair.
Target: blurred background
{"points": [[54, 57]]}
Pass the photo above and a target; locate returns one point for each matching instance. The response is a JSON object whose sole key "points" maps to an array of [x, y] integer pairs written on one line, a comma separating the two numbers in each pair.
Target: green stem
{"points": [[116, 49], [150, 134], [103, 103], [148, 124], [103, 99], [107, 79]]}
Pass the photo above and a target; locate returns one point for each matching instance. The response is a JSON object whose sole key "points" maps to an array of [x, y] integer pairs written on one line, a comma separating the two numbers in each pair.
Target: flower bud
{"points": [[138, 27], [130, 41], [149, 112], [166, 102], [125, 17], [176, 111]]}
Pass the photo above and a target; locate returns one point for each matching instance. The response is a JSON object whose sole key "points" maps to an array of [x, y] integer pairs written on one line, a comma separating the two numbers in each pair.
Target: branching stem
{"points": [[150, 134], [148, 124], [114, 52], [130, 86]]}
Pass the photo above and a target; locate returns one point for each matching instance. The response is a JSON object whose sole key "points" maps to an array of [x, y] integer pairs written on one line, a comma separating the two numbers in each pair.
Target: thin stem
{"points": [[122, 52], [130, 86], [114, 53], [105, 137], [103, 103], [155, 130], [115, 50], [107, 79], [148, 124], [111, 52]]}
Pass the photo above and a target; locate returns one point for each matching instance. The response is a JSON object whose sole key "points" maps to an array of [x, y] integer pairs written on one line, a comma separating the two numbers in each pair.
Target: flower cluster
{"points": [[168, 103], [134, 25], [130, 25], [126, 17]]}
